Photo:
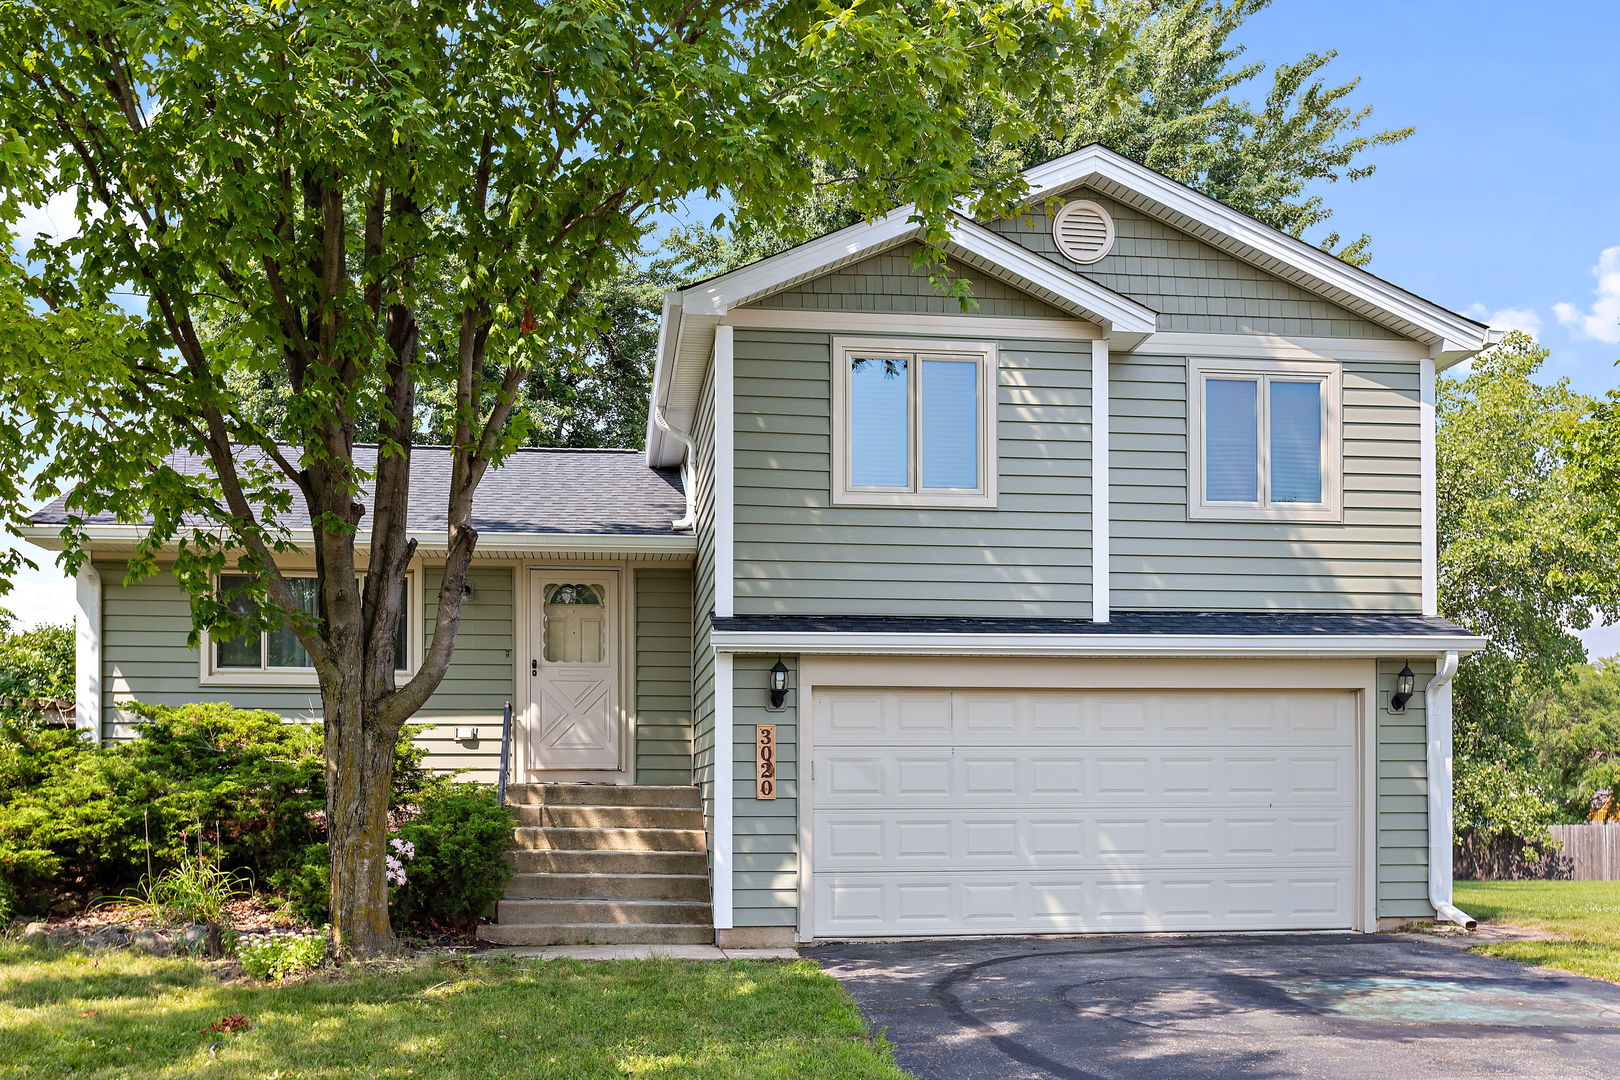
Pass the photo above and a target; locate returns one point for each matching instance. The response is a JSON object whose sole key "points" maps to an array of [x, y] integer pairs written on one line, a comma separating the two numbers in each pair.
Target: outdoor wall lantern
{"points": [[778, 683], [1404, 681]]}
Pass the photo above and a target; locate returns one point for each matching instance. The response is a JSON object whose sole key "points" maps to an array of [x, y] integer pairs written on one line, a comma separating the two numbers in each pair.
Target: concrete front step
{"points": [[596, 934], [685, 796], [609, 817], [546, 837], [608, 887], [609, 862], [613, 912]]}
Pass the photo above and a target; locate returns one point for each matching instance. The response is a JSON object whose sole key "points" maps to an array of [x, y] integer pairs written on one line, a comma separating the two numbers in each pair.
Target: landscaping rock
{"points": [[194, 939], [36, 933], [108, 937], [63, 937], [152, 942]]}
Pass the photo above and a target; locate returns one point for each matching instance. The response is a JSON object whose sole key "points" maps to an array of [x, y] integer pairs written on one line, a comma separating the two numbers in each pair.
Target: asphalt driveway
{"points": [[1335, 1007]]}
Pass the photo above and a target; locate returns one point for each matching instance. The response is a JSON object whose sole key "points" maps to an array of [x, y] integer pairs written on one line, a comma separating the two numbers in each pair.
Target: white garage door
{"points": [[995, 812]]}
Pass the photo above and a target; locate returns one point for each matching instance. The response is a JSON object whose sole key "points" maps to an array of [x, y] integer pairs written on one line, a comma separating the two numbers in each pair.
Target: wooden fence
{"points": [[1589, 852]]}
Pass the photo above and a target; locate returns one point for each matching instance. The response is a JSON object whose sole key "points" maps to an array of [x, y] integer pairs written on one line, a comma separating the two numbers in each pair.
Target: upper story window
{"points": [[1264, 441], [913, 423], [276, 657]]}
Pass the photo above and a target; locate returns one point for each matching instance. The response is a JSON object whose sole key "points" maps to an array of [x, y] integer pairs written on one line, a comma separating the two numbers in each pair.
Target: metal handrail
{"points": [[506, 750]]}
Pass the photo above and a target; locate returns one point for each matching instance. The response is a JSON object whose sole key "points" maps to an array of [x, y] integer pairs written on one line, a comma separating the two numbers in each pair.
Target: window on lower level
{"points": [[1264, 441], [277, 655], [914, 423]]}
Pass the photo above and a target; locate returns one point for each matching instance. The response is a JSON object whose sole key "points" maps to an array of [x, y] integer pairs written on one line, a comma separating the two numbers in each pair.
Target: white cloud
{"points": [[1602, 321], [1508, 318], [45, 595], [56, 217]]}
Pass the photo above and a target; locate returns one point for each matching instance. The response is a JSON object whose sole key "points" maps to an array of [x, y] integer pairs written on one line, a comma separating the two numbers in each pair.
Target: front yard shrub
{"points": [[461, 834], [303, 883], [277, 956]]}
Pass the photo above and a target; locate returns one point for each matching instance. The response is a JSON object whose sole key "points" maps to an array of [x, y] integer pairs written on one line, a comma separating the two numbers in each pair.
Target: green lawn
{"points": [[117, 1015], [1585, 915]]}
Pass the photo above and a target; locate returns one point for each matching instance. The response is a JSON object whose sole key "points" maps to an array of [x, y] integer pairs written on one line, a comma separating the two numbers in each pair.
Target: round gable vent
{"points": [[1083, 230]]}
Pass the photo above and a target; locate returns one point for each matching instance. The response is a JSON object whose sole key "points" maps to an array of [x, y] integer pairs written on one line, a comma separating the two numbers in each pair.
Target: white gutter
{"points": [[87, 653], [941, 644], [1437, 718], [685, 438]]}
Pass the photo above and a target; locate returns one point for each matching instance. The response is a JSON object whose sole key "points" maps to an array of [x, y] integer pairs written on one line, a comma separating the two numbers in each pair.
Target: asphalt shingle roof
{"points": [[1232, 623], [603, 492]]}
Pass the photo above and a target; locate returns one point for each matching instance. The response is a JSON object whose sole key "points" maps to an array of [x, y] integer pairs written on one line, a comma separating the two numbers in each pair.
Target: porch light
{"points": [[778, 683], [1404, 682]]}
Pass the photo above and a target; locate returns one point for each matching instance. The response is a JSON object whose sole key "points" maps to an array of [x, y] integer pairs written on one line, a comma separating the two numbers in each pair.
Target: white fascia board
{"points": [[1451, 331], [1151, 645], [49, 537], [1125, 320]]}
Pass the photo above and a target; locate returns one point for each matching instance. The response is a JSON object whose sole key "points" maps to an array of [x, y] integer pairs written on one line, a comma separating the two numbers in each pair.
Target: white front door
{"points": [[1052, 811], [575, 722]]}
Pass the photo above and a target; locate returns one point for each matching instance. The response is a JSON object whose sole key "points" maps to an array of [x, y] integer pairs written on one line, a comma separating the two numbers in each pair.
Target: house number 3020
{"points": [[765, 761]]}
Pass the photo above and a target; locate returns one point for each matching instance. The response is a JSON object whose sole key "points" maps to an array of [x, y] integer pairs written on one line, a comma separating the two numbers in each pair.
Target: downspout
{"points": [[685, 439], [1437, 719]]}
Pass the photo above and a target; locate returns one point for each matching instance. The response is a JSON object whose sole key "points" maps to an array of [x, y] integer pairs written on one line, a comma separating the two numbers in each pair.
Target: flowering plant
{"points": [[403, 852]]}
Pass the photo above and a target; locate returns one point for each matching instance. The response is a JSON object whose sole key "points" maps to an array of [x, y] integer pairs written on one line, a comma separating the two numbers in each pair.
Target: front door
{"points": [[574, 713]]}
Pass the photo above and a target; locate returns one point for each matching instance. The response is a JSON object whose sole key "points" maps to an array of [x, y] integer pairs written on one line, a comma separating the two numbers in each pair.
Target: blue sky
{"points": [[1503, 203]]}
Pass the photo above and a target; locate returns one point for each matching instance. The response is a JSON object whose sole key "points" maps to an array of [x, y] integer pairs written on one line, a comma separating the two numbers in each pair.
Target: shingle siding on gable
{"points": [[888, 283], [1193, 286]]}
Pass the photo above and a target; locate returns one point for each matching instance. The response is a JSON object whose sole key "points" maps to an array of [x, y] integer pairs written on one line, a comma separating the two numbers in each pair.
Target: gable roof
{"points": [[534, 492], [691, 314]]}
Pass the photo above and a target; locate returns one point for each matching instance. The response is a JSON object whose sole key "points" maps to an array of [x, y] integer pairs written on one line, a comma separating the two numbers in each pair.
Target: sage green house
{"points": [[1107, 605]]}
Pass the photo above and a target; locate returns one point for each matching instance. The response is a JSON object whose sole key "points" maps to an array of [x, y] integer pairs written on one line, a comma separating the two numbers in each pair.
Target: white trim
{"points": [[725, 492], [49, 537], [1331, 508], [1367, 802], [982, 353], [1068, 210], [1429, 507], [1102, 524], [210, 674], [1277, 347], [724, 824], [864, 322], [1437, 721], [1257, 242], [87, 673], [1190, 645]]}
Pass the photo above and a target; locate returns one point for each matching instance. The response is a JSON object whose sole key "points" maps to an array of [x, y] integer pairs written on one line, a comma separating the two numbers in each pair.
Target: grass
{"points": [[1584, 914], [119, 1016]]}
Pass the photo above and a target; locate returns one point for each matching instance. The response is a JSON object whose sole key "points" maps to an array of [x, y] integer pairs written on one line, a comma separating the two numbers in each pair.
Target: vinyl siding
{"points": [[145, 658], [1192, 285], [1030, 555], [702, 480], [1162, 561], [663, 676], [1403, 798], [889, 283], [765, 870]]}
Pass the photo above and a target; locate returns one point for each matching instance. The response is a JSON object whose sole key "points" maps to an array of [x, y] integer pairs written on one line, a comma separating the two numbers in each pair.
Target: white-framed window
{"points": [[914, 422], [275, 657], [1264, 440]]}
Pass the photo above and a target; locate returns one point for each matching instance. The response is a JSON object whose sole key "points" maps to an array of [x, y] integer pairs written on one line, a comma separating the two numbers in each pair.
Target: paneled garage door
{"points": [[992, 811]]}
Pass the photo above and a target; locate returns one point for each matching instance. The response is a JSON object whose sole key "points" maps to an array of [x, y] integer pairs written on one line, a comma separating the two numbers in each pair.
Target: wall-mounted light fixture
{"points": [[1405, 681], [778, 683]]}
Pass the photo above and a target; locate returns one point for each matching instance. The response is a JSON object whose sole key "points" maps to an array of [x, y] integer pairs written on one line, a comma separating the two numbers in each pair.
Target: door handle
{"points": [[534, 667]]}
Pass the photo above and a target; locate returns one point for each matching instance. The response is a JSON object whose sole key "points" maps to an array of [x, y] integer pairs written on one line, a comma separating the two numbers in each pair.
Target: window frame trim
{"points": [[984, 353], [211, 674], [1330, 374]]}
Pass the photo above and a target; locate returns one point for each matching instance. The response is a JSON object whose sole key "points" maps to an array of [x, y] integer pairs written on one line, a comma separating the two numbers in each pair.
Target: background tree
{"points": [[1576, 730], [316, 173], [1526, 559]]}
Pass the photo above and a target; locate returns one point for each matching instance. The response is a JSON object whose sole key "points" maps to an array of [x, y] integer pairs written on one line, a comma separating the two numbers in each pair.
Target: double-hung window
{"points": [[276, 657], [913, 423], [1264, 441]]}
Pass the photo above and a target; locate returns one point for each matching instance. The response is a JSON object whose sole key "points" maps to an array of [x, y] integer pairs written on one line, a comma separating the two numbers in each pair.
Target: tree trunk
{"points": [[359, 778]]}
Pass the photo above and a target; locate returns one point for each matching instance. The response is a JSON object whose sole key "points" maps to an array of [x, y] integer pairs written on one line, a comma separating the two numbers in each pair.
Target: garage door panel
{"points": [[1055, 839], [969, 776], [1014, 811], [858, 904]]}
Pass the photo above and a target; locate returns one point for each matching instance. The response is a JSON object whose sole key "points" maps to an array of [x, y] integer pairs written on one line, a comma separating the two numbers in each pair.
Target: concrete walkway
{"points": [[641, 952]]}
